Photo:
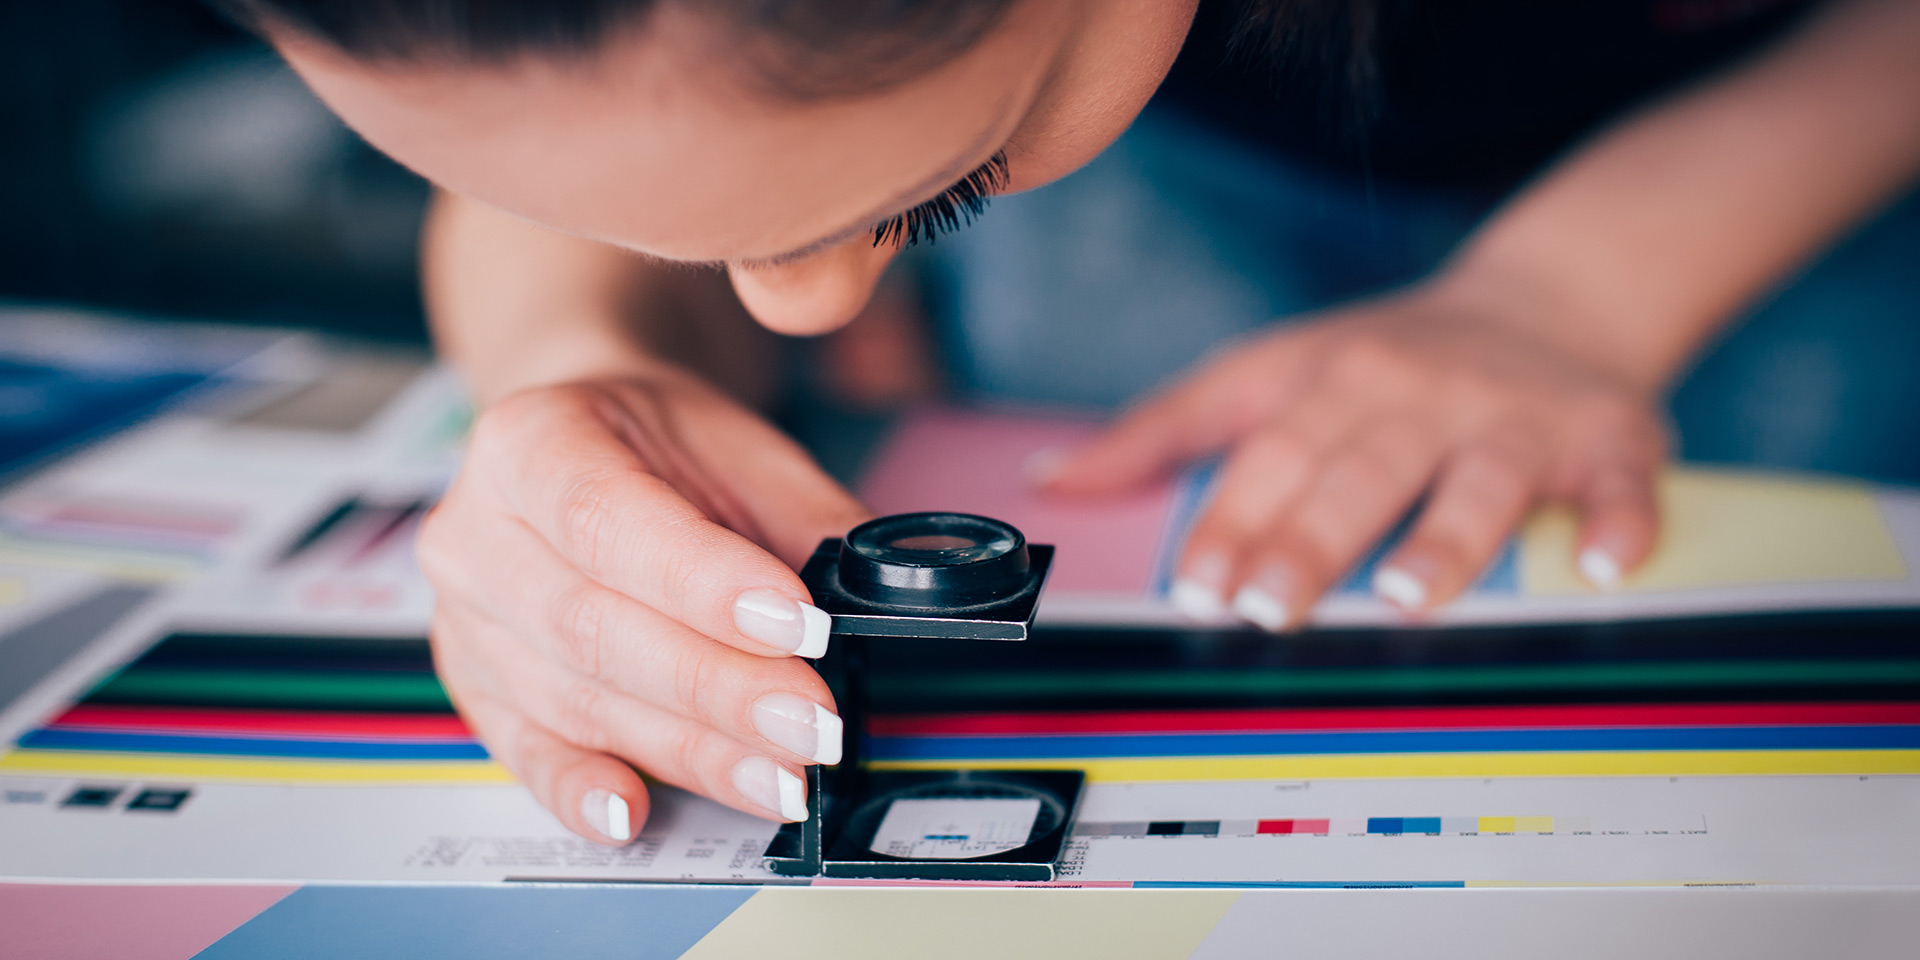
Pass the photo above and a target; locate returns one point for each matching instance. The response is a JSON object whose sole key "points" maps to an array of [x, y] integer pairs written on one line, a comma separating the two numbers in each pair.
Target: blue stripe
{"points": [[1890, 737], [253, 746]]}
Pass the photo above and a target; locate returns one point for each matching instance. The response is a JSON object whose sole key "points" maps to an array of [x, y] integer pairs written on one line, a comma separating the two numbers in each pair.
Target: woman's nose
{"points": [[815, 295]]}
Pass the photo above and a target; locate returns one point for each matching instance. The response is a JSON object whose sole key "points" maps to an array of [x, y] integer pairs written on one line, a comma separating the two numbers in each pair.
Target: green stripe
{"points": [[271, 688], [421, 691], [1602, 676]]}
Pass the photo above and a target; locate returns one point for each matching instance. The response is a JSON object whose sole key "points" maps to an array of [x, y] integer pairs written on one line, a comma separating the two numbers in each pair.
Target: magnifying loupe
{"points": [[934, 575], [943, 576]]}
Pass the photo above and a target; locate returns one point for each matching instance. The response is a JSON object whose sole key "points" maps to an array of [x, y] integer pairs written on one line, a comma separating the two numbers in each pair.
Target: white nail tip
{"points": [[606, 812], [1196, 601], [830, 728], [1401, 587], [793, 794], [1599, 568], [1262, 608], [619, 818], [818, 627]]}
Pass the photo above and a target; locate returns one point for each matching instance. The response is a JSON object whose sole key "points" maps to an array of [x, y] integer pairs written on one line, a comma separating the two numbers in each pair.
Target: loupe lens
{"points": [[934, 539], [932, 560]]}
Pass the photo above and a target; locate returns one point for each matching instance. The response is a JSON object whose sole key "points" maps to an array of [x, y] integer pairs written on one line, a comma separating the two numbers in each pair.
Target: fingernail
{"points": [[1403, 589], [771, 787], [1044, 465], [1198, 602], [1197, 591], [607, 813], [1599, 567], [800, 725], [783, 623], [1263, 609]]}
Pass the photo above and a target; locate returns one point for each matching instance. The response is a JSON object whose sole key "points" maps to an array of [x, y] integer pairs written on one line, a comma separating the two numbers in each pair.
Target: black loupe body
{"points": [[939, 575], [944, 576]]}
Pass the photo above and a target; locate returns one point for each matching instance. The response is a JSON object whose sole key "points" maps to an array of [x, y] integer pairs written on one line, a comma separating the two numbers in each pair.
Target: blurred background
{"points": [[158, 160]]}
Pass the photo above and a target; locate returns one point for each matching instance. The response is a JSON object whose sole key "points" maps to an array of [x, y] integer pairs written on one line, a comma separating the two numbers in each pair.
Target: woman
{"points": [[614, 562]]}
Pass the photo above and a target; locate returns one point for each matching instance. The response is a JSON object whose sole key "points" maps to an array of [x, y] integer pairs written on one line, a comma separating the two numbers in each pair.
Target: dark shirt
{"points": [[1468, 93]]}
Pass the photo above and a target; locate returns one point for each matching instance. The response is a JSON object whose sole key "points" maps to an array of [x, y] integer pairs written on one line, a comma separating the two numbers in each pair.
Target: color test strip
{"points": [[148, 766], [242, 722], [1374, 826], [246, 746], [1649, 763], [1400, 718], [1828, 737]]}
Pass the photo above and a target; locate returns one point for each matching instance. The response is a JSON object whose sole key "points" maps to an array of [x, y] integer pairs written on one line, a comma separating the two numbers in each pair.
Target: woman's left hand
{"points": [[1334, 427]]}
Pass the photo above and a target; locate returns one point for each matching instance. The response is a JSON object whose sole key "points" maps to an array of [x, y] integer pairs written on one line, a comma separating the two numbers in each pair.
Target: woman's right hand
{"points": [[615, 595]]}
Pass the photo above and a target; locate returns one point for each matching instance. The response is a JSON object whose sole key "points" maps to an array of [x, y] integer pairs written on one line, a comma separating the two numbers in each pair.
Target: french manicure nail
{"points": [[771, 787], [1197, 602], [1197, 591], [800, 725], [606, 812], [1599, 567], [1261, 608], [1402, 588], [783, 623]]}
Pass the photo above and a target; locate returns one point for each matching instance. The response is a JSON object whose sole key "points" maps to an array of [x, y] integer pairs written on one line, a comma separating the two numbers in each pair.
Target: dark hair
{"points": [[800, 49]]}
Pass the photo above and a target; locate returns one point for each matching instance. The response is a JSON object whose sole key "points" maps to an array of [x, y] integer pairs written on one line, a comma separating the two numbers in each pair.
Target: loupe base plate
{"points": [[847, 833]]}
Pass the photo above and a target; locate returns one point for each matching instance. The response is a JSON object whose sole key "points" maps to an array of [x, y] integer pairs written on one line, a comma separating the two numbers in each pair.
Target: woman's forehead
{"points": [[654, 148]]}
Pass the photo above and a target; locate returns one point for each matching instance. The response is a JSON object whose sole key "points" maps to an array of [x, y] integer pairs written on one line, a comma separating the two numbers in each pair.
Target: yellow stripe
{"points": [[1645, 763], [1671, 763], [154, 766]]}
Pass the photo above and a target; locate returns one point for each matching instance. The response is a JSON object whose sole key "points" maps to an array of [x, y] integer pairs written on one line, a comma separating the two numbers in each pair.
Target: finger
{"points": [[596, 718], [596, 796], [1620, 522], [1481, 496], [1202, 414], [598, 633], [1351, 502], [1261, 478], [554, 460]]}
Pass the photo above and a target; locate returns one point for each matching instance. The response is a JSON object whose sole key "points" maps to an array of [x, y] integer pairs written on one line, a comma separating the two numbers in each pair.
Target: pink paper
{"points": [[974, 463], [59, 921]]}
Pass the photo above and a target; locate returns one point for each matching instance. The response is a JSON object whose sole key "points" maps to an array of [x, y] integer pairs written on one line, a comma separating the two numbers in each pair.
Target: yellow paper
{"points": [[1532, 824], [853, 923], [1727, 528], [1496, 824]]}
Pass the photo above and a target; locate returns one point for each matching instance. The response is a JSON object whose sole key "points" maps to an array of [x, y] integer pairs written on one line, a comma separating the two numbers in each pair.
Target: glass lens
{"points": [[935, 540]]}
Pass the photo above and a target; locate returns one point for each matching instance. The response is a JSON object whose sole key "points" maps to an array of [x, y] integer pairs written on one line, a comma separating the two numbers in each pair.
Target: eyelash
{"points": [[955, 207]]}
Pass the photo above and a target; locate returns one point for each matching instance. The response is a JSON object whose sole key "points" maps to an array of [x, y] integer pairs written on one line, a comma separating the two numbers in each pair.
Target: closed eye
{"points": [[955, 207]]}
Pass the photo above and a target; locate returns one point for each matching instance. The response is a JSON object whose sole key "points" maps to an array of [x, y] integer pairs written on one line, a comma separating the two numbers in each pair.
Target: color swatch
{"points": [[1353, 827], [1570, 740], [1726, 529], [280, 710]]}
